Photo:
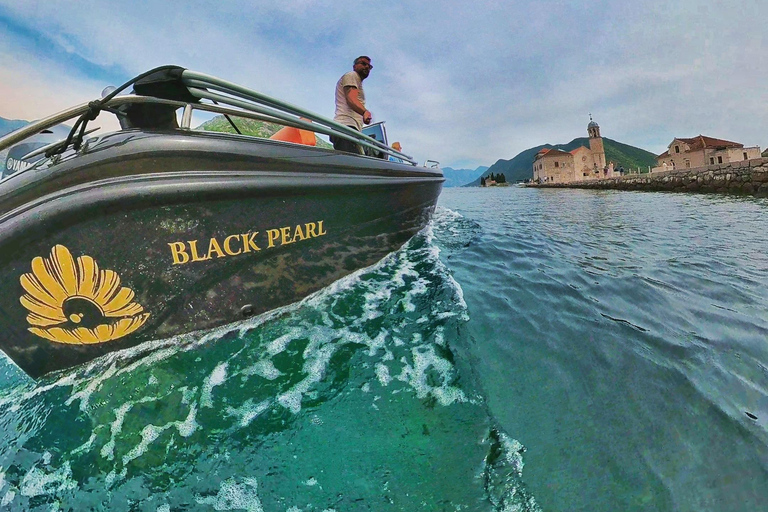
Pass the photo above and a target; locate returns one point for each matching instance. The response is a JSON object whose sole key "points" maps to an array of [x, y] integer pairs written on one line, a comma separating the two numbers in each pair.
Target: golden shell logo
{"points": [[72, 301]]}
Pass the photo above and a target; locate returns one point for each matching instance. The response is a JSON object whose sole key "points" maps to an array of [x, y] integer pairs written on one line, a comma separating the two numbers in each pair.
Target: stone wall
{"points": [[747, 177]]}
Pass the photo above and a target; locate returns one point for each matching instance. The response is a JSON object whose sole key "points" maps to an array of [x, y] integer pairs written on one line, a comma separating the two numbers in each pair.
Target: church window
{"points": [[719, 159], [711, 160], [677, 149], [557, 164], [745, 155]]}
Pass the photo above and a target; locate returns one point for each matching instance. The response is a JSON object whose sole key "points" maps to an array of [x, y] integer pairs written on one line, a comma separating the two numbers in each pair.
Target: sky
{"points": [[463, 83]]}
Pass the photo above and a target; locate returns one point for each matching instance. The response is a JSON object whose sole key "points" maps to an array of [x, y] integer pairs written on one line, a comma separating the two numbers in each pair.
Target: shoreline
{"points": [[747, 177]]}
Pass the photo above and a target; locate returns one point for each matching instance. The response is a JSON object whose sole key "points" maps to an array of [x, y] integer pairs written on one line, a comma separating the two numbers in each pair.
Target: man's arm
{"points": [[351, 93]]}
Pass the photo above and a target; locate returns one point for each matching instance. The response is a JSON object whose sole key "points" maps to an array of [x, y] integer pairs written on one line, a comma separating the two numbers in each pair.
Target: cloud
{"points": [[456, 82], [35, 89]]}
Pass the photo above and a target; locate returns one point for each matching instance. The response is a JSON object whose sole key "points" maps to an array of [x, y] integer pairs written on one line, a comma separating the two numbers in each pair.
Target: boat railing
{"points": [[200, 85], [36, 127], [226, 98]]}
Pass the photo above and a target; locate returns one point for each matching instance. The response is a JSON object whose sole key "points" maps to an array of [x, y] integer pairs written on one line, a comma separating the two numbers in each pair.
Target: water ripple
{"points": [[622, 337]]}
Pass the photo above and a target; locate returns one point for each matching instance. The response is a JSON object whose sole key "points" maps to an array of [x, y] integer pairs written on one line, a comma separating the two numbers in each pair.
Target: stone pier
{"points": [[749, 177]]}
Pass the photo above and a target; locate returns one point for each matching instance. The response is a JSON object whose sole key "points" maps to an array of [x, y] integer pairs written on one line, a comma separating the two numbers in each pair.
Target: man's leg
{"points": [[345, 145]]}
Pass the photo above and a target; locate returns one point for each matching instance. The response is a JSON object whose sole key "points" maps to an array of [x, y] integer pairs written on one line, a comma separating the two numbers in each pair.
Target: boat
{"points": [[155, 229]]}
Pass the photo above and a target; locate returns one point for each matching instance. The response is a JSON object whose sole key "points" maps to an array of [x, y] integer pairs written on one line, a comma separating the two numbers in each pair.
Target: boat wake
{"points": [[359, 397]]}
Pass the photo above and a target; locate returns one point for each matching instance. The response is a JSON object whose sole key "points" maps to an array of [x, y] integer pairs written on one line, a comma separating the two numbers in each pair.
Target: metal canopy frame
{"points": [[227, 98]]}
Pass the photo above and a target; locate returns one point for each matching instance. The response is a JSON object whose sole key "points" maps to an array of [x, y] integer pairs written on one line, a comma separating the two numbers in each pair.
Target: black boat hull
{"points": [[146, 236]]}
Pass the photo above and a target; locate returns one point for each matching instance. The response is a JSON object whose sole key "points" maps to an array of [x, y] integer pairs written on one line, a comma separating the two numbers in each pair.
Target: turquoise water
{"points": [[622, 337], [530, 350]]}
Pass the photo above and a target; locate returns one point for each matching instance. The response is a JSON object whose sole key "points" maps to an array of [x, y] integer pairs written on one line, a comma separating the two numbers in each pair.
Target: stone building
{"points": [[701, 151], [556, 166]]}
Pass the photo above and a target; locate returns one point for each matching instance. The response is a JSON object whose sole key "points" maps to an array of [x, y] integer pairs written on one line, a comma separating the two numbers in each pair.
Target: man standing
{"points": [[350, 103]]}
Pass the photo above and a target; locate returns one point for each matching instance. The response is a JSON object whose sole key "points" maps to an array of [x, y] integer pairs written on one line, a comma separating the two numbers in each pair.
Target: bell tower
{"points": [[596, 143]]}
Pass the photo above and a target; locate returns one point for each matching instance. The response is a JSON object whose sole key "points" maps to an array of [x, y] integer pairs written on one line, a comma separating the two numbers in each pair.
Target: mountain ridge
{"points": [[9, 125], [460, 177]]}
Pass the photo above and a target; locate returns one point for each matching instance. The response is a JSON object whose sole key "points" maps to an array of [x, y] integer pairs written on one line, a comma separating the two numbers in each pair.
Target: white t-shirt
{"points": [[344, 113]]}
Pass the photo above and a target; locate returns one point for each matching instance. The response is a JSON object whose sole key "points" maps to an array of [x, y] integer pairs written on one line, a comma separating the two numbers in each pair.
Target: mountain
{"points": [[628, 156], [7, 125], [251, 127], [460, 177], [520, 168]]}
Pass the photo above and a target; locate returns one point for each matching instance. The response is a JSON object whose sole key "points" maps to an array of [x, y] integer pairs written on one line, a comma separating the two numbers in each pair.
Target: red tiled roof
{"points": [[702, 141], [556, 152], [574, 151]]}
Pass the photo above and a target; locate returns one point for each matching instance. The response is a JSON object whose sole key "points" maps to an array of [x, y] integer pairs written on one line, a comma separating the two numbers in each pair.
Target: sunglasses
{"points": [[366, 64]]}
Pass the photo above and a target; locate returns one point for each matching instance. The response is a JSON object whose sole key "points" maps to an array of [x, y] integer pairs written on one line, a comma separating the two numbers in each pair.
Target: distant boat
{"points": [[155, 230]]}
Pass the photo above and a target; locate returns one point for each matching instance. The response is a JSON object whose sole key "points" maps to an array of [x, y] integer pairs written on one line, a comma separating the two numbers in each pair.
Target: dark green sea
{"points": [[530, 350]]}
